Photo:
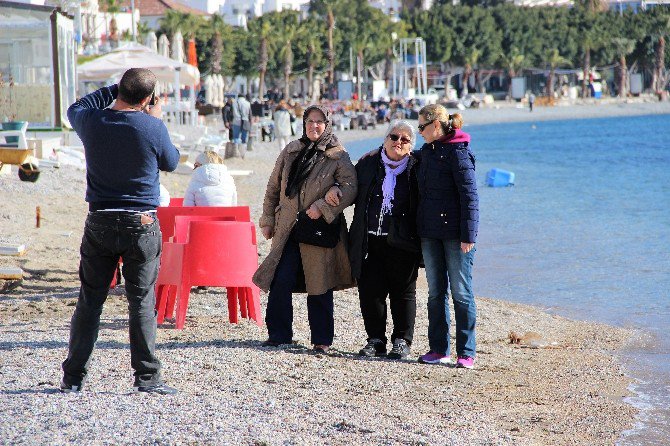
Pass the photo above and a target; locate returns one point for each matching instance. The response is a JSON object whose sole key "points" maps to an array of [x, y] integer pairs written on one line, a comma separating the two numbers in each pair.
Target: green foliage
{"points": [[476, 33]]}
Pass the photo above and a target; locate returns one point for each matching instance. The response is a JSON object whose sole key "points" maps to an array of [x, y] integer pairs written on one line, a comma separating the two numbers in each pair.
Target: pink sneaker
{"points": [[434, 358], [465, 362]]}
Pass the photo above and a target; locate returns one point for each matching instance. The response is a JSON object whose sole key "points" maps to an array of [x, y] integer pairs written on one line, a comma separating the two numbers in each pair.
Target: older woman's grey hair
{"points": [[401, 124]]}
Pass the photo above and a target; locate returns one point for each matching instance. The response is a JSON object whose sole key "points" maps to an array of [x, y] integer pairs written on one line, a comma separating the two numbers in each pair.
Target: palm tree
{"points": [[287, 34], [622, 48], [471, 59], [360, 43], [512, 62], [311, 35], [262, 30], [216, 25], [554, 60], [331, 46], [661, 29]]}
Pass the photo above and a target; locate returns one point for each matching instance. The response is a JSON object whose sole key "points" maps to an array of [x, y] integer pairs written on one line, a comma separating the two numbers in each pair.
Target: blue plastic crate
{"points": [[499, 178]]}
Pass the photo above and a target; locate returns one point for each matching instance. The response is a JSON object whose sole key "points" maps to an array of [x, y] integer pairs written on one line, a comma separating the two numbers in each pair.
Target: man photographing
{"points": [[125, 146]]}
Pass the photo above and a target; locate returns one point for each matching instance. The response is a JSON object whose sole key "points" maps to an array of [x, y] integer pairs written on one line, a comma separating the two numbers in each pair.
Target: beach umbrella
{"points": [[192, 57], [209, 89], [178, 47], [151, 41], [134, 55], [216, 99], [220, 87], [164, 46]]}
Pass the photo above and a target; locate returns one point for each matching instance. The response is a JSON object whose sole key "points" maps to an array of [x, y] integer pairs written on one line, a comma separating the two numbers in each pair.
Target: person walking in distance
{"points": [[241, 123], [126, 146]]}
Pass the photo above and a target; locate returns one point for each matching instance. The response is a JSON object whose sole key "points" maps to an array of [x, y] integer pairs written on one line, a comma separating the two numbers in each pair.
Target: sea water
{"points": [[584, 233]]}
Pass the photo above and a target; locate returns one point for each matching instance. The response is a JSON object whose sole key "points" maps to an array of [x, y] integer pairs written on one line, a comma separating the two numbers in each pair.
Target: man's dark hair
{"points": [[136, 84]]}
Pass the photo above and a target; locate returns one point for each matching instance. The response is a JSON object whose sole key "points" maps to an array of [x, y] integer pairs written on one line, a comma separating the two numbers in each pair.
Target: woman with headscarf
{"points": [[305, 170]]}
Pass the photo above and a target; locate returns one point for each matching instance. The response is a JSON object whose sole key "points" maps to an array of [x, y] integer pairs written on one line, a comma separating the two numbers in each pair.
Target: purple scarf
{"points": [[393, 169]]}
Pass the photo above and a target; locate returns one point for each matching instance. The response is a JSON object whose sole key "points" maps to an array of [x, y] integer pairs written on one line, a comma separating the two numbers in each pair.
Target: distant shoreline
{"points": [[500, 113]]}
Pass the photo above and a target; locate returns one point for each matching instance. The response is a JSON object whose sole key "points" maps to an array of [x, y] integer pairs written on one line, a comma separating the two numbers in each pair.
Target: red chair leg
{"points": [[232, 304], [161, 302], [171, 300], [183, 291], [255, 302], [242, 299]]}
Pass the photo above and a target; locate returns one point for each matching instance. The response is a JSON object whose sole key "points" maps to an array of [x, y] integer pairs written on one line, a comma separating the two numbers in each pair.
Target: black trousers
{"points": [[108, 236], [391, 272], [279, 313]]}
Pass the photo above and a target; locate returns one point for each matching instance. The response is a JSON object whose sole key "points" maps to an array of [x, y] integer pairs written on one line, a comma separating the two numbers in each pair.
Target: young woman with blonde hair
{"points": [[447, 222]]}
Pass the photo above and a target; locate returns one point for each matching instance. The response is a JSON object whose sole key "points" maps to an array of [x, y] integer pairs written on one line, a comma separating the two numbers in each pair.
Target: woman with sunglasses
{"points": [[447, 222], [304, 171], [384, 247]]}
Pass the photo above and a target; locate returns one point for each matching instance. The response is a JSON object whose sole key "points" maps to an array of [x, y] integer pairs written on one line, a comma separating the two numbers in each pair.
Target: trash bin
{"points": [[499, 178]]}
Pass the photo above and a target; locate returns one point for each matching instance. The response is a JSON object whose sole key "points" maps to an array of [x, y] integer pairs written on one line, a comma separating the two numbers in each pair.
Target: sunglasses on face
{"points": [[397, 137], [423, 126]]}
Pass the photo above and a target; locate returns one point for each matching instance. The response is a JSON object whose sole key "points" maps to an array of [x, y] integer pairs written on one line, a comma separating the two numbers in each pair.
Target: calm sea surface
{"points": [[584, 233]]}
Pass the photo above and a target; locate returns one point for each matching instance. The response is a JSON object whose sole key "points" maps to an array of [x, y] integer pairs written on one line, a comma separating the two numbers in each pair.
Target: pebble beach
{"points": [[559, 384]]}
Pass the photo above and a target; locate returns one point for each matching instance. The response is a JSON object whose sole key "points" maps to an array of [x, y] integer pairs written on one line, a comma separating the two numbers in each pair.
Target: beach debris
{"points": [[8, 249], [529, 339], [11, 273], [38, 216]]}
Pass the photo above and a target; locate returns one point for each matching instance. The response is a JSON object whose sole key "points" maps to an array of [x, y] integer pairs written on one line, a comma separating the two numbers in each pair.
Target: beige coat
{"points": [[325, 268]]}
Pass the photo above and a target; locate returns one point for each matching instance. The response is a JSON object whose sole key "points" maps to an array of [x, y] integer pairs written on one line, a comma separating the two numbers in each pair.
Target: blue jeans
{"points": [[447, 266], [107, 237], [239, 134], [279, 313]]}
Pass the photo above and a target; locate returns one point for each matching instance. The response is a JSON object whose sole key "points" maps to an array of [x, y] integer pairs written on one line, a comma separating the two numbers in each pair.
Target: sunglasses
{"points": [[397, 137], [423, 126]]}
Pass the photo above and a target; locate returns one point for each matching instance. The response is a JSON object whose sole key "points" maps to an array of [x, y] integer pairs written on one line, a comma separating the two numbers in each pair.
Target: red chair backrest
{"points": [[221, 253], [182, 222], [166, 215], [176, 201]]}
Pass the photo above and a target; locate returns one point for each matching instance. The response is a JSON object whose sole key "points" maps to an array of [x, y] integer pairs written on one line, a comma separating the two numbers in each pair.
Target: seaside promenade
{"points": [[560, 387]]}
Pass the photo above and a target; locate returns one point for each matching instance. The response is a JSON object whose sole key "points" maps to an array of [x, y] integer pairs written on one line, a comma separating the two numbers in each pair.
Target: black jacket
{"points": [[402, 233]]}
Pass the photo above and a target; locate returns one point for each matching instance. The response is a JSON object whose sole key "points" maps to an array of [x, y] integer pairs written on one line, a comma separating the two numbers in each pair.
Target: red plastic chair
{"points": [[216, 253], [182, 222], [167, 214], [181, 228]]}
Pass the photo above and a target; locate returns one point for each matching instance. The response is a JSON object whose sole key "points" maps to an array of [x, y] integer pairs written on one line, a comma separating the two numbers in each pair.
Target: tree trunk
{"points": [[331, 49], [466, 76], [262, 66], [388, 70], [288, 68], [359, 75], [623, 91], [586, 92], [310, 74], [550, 84], [511, 74], [310, 83], [217, 53], [660, 64]]}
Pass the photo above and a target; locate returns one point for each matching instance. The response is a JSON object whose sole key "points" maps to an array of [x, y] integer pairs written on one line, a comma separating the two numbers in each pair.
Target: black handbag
{"points": [[316, 232]]}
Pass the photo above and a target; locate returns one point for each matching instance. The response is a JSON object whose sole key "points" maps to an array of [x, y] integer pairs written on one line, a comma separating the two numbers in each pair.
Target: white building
{"points": [[238, 12]]}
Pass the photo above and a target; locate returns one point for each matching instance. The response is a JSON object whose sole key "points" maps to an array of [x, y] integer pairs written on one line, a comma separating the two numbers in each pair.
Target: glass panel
{"points": [[25, 66]]}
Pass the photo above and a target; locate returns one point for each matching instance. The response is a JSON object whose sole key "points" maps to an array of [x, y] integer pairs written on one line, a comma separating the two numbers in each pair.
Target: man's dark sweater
{"points": [[124, 152]]}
